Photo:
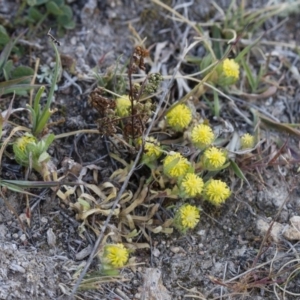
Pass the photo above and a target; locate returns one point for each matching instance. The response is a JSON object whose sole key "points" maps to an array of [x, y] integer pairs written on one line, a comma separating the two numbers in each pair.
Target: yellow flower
{"points": [[231, 69], [116, 255], [179, 117], [152, 148], [187, 217], [191, 185], [25, 140], [175, 165], [247, 141], [216, 191], [214, 158], [202, 136], [122, 106]]}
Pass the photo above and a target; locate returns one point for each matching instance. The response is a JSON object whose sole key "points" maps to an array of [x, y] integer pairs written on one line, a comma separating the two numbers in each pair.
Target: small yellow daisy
{"points": [[191, 185], [122, 106], [179, 117], [216, 192], [214, 158], [231, 69], [187, 217], [247, 141], [202, 136], [175, 165], [116, 255]]}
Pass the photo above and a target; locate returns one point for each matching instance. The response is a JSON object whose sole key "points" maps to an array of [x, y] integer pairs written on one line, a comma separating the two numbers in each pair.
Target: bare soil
{"points": [[39, 261]]}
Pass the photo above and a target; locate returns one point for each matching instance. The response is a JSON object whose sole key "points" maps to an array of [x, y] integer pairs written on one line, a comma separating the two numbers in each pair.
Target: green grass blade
{"points": [[237, 171], [250, 77]]}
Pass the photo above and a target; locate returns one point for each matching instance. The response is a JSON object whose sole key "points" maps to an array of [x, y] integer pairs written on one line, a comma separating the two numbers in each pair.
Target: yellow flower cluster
{"points": [[191, 185], [202, 136], [231, 69], [25, 140], [216, 192], [179, 117], [214, 158], [115, 255], [247, 141], [175, 165], [122, 106], [187, 217]]}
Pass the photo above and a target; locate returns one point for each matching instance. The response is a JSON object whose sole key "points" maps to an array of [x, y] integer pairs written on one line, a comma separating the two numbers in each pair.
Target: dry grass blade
{"points": [[287, 128]]}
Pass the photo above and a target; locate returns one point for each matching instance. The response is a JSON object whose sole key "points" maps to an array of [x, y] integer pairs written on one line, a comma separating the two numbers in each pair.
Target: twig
{"points": [[55, 41]]}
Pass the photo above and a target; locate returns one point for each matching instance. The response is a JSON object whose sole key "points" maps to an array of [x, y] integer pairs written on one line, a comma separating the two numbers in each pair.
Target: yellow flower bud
{"points": [[187, 217], [122, 106], [202, 136], [216, 192], [247, 141], [179, 117]]}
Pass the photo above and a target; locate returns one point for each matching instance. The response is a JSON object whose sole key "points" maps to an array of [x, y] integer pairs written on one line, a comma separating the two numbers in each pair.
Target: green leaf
{"points": [[42, 121], [36, 2], [247, 49], [22, 71], [216, 111], [32, 184], [64, 20], [216, 45], [7, 69], [48, 141], [53, 9], [238, 172], [37, 99], [3, 30], [31, 2], [34, 14], [4, 37], [33, 115], [67, 11], [70, 25], [14, 85], [5, 54], [59, 2], [44, 157], [19, 89], [6, 51], [250, 77]]}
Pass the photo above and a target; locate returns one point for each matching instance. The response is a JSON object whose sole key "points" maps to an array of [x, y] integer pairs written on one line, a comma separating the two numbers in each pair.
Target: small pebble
{"points": [[17, 268], [3, 230], [175, 249], [73, 41], [156, 252], [84, 253], [51, 238], [44, 220], [15, 236], [23, 238], [201, 232]]}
